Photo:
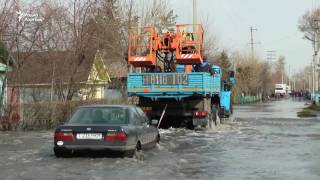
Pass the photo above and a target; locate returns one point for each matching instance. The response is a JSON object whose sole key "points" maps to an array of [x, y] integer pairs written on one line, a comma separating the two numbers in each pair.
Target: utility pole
{"points": [[194, 15], [312, 71], [294, 80], [310, 82], [315, 61], [252, 43], [289, 77], [271, 56], [194, 12], [282, 69]]}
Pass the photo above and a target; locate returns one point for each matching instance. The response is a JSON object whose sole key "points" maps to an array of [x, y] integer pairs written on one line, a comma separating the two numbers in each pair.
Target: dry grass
{"points": [[310, 111]]}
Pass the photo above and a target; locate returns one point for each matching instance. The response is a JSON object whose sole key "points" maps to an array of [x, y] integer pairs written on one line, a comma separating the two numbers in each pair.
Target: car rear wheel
{"points": [[138, 154], [135, 152]]}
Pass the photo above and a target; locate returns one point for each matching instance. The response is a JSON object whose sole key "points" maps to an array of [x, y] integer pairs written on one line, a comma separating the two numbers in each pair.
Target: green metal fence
{"points": [[249, 99]]}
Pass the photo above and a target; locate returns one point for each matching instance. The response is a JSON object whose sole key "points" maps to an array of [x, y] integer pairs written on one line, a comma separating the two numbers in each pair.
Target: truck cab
{"points": [[280, 90]]}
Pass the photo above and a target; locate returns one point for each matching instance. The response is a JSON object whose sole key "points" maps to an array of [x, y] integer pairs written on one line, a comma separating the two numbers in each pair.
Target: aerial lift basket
{"points": [[189, 44], [142, 46]]}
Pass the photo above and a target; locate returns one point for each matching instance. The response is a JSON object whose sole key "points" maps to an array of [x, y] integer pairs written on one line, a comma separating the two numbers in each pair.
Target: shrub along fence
{"points": [[48, 115]]}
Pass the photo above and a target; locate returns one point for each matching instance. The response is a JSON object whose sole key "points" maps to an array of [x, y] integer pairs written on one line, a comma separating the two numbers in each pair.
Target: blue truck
{"points": [[189, 99], [171, 77]]}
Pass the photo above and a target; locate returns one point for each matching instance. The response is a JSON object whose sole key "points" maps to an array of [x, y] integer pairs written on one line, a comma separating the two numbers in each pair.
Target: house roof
{"points": [[40, 68]]}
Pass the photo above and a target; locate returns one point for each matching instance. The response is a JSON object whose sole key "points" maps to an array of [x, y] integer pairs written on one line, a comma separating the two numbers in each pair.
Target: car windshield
{"points": [[100, 115]]}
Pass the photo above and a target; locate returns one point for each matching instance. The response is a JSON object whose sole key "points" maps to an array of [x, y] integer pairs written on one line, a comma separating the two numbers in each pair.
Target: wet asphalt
{"points": [[261, 141]]}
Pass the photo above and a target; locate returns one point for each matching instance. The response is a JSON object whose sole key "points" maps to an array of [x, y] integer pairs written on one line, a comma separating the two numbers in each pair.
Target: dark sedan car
{"points": [[106, 127]]}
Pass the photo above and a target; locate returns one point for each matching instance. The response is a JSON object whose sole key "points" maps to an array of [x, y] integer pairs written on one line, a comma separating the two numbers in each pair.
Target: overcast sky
{"points": [[276, 21]]}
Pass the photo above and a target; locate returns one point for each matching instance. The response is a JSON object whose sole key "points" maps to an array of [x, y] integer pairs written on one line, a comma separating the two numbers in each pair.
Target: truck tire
{"points": [[190, 124]]}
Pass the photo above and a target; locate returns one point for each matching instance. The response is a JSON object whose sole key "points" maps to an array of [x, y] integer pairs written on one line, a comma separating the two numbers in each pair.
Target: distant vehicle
{"points": [[288, 89], [120, 128], [280, 90]]}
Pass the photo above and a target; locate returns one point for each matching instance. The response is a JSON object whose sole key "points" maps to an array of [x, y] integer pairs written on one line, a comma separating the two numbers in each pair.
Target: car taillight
{"points": [[200, 113], [63, 136], [116, 136]]}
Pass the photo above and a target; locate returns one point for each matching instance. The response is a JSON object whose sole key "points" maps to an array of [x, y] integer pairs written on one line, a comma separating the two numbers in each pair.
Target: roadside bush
{"points": [[46, 115], [310, 111], [10, 118]]}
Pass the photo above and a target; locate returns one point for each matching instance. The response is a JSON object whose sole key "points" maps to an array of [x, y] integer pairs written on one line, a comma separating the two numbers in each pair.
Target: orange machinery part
{"points": [[188, 51], [187, 68], [148, 56]]}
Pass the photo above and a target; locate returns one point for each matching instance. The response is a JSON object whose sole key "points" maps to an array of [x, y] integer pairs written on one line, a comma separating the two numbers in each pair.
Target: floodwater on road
{"points": [[262, 141]]}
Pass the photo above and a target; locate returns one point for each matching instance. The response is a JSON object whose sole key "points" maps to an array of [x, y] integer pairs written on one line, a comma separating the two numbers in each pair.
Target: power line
{"points": [[252, 42], [271, 55]]}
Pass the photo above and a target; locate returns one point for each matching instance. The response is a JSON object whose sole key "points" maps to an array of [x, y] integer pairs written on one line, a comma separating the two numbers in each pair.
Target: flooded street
{"points": [[264, 141]]}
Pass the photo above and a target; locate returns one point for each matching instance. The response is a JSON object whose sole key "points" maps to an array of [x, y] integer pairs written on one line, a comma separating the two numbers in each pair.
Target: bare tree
{"points": [[253, 76], [211, 47], [19, 28], [309, 25]]}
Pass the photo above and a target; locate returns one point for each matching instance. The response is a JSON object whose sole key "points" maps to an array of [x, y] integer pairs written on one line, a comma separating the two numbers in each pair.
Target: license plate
{"points": [[200, 121], [168, 79], [95, 136]]}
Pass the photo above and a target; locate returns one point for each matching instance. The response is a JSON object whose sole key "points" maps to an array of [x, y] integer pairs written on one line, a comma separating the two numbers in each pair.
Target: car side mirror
{"points": [[154, 122]]}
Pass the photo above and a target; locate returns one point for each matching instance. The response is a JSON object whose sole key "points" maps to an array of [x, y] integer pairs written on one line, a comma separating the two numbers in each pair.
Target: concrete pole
{"points": [[316, 74], [294, 80], [282, 76], [313, 75], [310, 78], [194, 12], [252, 41], [289, 77], [194, 16]]}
